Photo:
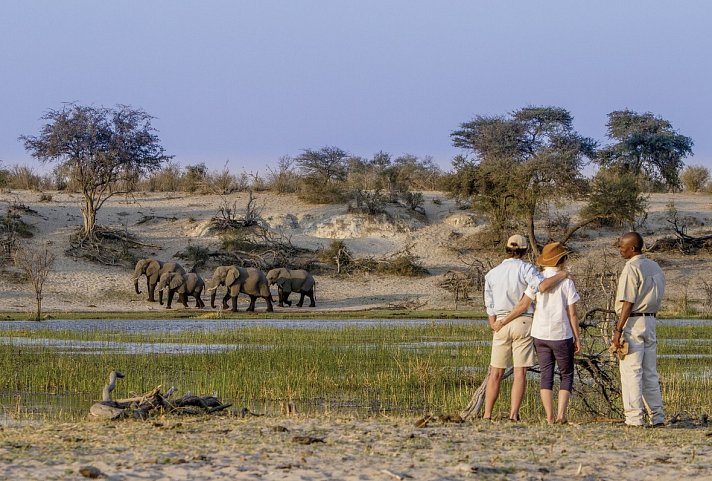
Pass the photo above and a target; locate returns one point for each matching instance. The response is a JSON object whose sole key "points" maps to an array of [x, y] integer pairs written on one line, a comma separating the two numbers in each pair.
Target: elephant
{"points": [[246, 280], [288, 281], [190, 284], [153, 269]]}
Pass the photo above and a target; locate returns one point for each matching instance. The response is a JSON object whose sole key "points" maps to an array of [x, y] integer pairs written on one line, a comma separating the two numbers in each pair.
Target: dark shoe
{"points": [[561, 421], [515, 420], [658, 425]]}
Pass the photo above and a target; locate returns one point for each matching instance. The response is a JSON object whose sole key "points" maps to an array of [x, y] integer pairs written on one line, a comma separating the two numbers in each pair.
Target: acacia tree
{"points": [[103, 149], [325, 171], [645, 145], [328, 164], [521, 162]]}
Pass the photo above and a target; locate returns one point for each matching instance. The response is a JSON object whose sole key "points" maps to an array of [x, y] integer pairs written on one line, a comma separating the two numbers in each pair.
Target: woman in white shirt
{"points": [[555, 331]]}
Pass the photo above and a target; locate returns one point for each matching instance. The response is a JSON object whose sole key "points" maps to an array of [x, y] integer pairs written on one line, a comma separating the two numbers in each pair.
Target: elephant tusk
{"points": [[210, 289]]}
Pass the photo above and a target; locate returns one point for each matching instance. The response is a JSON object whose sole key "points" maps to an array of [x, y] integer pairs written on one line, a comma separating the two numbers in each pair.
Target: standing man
{"points": [[512, 344], [641, 287]]}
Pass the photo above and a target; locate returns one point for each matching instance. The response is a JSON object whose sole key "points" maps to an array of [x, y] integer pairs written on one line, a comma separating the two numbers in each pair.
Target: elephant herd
{"points": [[254, 283]]}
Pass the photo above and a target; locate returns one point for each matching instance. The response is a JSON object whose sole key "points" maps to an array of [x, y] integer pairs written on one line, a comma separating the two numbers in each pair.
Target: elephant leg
{"points": [[251, 307], [170, 299], [184, 299], [301, 300], [152, 292], [268, 300], [226, 298], [234, 303], [286, 298], [280, 297], [310, 293], [199, 302], [212, 299]]}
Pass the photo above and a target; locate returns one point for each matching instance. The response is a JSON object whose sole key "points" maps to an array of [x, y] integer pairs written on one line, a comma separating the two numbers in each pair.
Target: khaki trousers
{"points": [[640, 384]]}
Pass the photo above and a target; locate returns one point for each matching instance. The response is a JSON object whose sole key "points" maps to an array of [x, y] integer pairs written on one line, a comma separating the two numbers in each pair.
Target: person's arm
{"points": [[573, 319], [493, 323], [622, 320], [517, 311], [552, 281]]}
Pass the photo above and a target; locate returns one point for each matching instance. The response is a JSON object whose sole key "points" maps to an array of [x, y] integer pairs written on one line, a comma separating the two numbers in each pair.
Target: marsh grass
{"points": [[401, 370]]}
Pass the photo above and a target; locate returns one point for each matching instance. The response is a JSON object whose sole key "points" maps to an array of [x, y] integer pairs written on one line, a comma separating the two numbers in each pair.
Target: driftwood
{"points": [[478, 397], [140, 407]]}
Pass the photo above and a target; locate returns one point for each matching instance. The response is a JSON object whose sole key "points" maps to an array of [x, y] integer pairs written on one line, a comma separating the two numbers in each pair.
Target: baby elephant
{"points": [[190, 284], [288, 281]]}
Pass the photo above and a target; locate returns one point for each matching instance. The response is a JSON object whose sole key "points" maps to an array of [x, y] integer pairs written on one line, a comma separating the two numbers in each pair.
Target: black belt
{"points": [[635, 314]]}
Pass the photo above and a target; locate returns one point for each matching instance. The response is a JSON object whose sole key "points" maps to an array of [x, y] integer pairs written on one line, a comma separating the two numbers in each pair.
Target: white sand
{"points": [[78, 285], [352, 449]]}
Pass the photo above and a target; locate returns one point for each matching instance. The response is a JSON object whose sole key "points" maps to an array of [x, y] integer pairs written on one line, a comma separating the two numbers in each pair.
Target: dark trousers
{"points": [[563, 353]]}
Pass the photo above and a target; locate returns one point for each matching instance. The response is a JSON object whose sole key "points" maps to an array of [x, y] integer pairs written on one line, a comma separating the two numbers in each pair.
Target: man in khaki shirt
{"points": [[641, 287]]}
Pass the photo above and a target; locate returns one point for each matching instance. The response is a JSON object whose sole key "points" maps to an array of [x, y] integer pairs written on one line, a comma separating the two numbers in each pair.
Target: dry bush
{"points": [[694, 178], [36, 264], [23, 177], [314, 191], [167, 179], [402, 263], [707, 299], [468, 284], [596, 278], [283, 179]]}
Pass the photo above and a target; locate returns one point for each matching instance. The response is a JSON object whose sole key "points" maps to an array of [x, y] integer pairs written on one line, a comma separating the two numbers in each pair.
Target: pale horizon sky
{"points": [[243, 83]]}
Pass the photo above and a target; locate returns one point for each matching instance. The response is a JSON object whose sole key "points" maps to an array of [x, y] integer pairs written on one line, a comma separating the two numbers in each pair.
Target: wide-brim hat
{"points": [[550, 254]]}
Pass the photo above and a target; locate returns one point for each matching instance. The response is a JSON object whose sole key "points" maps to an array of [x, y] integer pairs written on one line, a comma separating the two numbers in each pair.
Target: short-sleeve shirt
{"points": [[505, 284], [551, 318], [642, 283]]}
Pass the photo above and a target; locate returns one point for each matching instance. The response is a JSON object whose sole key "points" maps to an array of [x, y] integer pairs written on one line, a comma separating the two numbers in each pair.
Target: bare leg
{"points": [[547, 399], [564, 397], [518, 387], [492, 390]]}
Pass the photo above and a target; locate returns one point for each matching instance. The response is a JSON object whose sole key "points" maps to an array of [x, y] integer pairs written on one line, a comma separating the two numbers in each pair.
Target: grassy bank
{"points": [[379, 368]]}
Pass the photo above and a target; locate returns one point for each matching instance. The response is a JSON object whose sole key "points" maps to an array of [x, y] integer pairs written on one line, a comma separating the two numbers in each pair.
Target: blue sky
{"points": [[241, 83]]}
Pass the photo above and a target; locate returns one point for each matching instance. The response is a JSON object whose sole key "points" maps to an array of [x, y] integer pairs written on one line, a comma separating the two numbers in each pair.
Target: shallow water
{"points": [[208, 325]]}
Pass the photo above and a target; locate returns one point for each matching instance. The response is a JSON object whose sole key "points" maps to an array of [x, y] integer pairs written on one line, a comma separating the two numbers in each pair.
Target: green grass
{"points": [[406, 369]]}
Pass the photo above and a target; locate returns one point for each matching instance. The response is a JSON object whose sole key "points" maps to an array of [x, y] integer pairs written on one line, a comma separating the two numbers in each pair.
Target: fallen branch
{"points": [[140, 407]]}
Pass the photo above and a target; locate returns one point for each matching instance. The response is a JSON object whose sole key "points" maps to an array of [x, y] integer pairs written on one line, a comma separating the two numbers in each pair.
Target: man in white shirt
{"points": [[512, 344], [641, 288]]}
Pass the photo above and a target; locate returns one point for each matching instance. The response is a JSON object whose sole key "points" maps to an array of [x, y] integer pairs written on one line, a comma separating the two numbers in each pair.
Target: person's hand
{"points": [[493, 324], [616, 341], [497, 326], [577, 345]]}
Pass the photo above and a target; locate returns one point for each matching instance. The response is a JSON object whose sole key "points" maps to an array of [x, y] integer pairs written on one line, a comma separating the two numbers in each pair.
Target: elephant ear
{"points": [[152, 268], [176, 281], [284, 283], [231, 276]]}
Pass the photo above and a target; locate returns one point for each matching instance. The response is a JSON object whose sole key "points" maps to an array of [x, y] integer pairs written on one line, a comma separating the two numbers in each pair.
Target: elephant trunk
{"points": [[212, 297], [138, 291]]}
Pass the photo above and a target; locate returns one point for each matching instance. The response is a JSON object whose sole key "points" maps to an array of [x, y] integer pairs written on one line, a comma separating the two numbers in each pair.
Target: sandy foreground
{"points": [[294, 448]]}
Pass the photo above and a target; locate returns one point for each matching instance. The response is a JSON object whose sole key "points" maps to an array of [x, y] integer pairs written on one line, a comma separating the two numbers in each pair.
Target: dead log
{"points": [[141, 407], [478, 397]]}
